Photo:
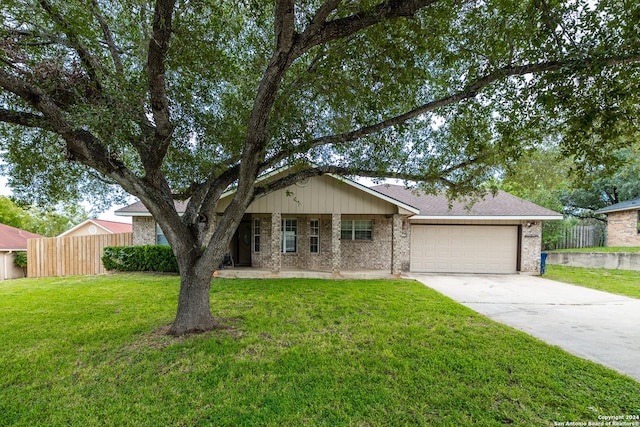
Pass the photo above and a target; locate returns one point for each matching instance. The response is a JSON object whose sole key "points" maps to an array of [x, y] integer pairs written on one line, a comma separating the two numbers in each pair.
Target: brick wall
{"points": [[144, 230], [303, 258], [375, 254], [531, 246], [622, 228]]}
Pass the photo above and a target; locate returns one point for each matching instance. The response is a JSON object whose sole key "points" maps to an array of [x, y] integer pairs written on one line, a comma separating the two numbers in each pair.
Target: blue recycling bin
{"points": [[543, 262]]}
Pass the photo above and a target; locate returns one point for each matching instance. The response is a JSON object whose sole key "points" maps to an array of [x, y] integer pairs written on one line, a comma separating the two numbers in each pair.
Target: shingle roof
{"points": [[501, 205], [114, 226], [138, 208], [15, 239], [622, 206]]}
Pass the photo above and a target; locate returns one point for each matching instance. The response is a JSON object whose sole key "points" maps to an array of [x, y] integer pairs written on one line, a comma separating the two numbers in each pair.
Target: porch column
{"points": [[396, 244], [276, 250], [336, 259]]}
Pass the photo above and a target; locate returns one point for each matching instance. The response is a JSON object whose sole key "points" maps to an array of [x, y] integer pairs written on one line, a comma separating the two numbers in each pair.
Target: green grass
{"points": [[622, 282], [601, 249], [90, 352]]}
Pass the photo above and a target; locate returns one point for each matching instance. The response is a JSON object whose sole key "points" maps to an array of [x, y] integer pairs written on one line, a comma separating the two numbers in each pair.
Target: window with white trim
{"points": [[314, 236], [256, 235], [160, 238], [289, 235], [356, 229]]}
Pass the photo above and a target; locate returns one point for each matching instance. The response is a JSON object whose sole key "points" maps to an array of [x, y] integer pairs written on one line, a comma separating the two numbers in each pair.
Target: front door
{"points": [[243, 244]]}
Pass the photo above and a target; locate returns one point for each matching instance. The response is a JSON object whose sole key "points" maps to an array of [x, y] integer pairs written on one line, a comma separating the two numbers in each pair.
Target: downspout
{"points": [[6, 268], [4, 272]]}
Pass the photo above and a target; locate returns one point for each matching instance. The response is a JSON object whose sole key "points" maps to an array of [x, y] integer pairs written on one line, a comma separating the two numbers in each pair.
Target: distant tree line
{"points": [[47, 222]]}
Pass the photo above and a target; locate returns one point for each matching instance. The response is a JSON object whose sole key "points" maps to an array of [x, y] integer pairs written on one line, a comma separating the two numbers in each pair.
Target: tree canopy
{"points": [[50, 221], [182, 99], [605, 186]]}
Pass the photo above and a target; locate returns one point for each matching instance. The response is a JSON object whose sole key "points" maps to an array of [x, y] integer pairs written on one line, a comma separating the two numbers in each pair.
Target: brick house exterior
{"points": [[623, 223], [333, 224]]}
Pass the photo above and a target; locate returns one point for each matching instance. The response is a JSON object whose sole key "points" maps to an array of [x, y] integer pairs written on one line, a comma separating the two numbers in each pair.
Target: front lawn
{"points": [[90, 352], [622, 282]]}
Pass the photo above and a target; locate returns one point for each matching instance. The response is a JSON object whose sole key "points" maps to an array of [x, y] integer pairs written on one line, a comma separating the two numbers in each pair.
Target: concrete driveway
{"points": [[594, 325]]}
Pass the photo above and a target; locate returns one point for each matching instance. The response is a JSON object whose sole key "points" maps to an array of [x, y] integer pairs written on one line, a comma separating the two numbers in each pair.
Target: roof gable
{"points": [[499, 206], [15, 239], [319, 195], [111, 227], [622, 206]]}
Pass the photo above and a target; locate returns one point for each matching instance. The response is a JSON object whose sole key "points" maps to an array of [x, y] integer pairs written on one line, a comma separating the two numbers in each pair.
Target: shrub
{"points": [[140, 258], [20, 259]]}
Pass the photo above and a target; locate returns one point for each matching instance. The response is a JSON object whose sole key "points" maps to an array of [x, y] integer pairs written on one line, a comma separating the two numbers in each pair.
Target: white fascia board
{"points": [[488, 217], [375, 193], [148, 214], [132, 213]]}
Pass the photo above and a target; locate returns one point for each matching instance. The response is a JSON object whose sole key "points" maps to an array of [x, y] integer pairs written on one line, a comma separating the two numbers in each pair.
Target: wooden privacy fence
{"points": [[581, 236], [71, 256]]}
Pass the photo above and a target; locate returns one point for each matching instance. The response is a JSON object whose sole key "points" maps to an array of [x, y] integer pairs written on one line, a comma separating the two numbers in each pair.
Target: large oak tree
{"points": [[183, 99]]}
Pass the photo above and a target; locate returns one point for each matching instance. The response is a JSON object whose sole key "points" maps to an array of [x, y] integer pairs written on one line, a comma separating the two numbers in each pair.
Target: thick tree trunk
{"points": [[194, 311]]}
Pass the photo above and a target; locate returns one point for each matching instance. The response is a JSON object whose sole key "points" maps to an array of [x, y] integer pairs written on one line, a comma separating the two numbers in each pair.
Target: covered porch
{"points": [[323, 245]]}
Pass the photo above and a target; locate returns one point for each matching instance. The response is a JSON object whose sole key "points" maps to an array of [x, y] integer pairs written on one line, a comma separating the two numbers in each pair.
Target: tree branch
{"points": [[321, 16], [284, 182], [108, 37], [24, 119], [81, 145], [470, 91], [154, 153], [88, 61], [316, 34], [284, 25]]}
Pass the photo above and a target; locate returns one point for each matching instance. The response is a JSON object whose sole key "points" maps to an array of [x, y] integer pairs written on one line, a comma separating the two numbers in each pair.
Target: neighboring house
{"points": [[12, 240], [92, 227], [623, 223], [329, 223]]}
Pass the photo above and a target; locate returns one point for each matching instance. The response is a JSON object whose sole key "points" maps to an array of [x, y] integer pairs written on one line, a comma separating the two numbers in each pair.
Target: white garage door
{"points": [[464, 248]]}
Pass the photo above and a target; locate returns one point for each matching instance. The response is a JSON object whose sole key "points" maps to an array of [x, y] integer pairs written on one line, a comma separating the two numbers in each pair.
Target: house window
{"points": [[289, 235], [160, 239], [638, 223], [256, 235], [356, 230], [314, 236]]}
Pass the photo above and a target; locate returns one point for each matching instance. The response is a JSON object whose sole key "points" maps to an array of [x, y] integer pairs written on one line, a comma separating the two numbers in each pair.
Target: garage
{"points": [[464, 248]]}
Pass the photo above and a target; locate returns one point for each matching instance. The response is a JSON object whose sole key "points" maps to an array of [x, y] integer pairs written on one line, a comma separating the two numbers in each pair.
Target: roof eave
{"points": [[118, 213], [489, 217], [608, 211]]}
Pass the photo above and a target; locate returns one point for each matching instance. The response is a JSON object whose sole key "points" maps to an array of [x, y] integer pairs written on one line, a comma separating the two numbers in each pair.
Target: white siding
{"points": [[321, 195]]}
